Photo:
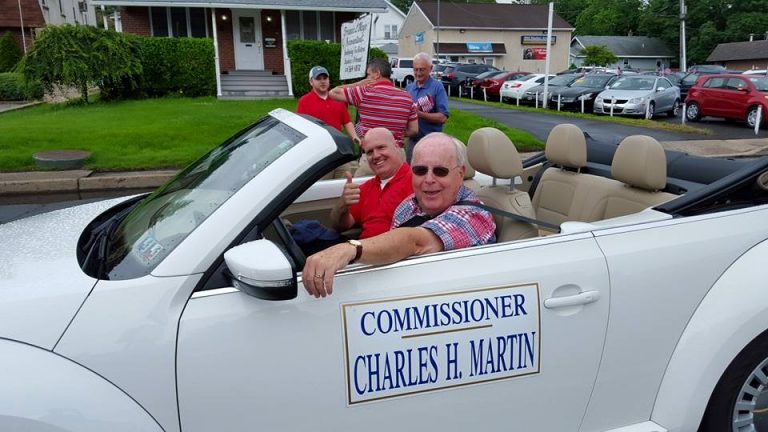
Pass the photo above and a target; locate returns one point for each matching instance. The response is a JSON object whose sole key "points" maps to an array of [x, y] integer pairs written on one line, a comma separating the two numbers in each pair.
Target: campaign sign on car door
{"points": [[410, 345]]}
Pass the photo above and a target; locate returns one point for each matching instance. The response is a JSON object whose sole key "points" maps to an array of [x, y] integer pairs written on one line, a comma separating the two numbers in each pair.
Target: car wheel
{"points": [[752, 117], [675, 109], [740, 399], [692, 112], [651, 109]]}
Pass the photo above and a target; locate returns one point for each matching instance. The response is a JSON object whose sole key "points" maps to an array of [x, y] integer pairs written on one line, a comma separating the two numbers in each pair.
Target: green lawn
{"points": [[158, 133]]}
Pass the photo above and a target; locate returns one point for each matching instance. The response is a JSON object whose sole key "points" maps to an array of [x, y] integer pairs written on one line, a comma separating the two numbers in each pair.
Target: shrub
{"points": [[9, 53], [169, 66], [13, 87], [79, 56], [306, 54]]}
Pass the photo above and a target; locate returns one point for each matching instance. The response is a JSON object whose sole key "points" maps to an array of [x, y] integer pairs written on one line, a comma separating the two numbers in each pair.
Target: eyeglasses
{"points": [[438, 171]]}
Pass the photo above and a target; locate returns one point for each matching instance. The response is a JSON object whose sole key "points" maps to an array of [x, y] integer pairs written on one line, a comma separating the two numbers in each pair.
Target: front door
{"points": [[249, 51], [338, 364]]}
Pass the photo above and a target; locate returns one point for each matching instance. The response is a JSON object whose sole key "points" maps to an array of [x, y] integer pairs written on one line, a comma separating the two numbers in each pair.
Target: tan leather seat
{"points": [[560, 188], [493, 153], [469, 174]]}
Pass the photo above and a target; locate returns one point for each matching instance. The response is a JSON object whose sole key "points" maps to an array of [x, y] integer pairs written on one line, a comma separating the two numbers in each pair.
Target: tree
{"points": [[598, 55], [80, 56], [9, 53]]}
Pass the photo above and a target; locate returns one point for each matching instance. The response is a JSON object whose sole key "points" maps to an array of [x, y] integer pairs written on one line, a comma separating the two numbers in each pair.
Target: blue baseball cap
{"points": [[317, 71]]}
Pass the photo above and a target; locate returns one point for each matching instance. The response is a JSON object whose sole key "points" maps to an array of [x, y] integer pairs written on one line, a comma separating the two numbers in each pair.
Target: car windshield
{"points": [[562, 80], [592, 81], [760, 82], [165, 218], [634, 84], [527, 77], [486, 74], [690, 79]]}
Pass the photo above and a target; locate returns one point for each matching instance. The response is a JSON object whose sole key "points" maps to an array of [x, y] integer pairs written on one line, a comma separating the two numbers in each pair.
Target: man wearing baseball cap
{"points": [[317, 103]]}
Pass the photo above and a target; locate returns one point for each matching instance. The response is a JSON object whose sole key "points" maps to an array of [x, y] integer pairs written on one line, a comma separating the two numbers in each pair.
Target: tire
{"points": [[675, 109], [692, 112], [651, 110], [752, 117], [733, 406]]}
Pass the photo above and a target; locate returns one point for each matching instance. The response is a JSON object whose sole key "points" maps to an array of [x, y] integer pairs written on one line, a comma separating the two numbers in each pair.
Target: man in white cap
{"points": [[317, 103]]}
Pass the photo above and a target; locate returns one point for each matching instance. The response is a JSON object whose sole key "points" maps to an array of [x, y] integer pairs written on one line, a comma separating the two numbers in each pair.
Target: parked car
{"points": [[472, 88], [756, 72], [639, 95], [461, 75], [438, 69], [402, 71], [515, 89], [689, 79], [180, 310], [708, 69], [530, 95], [729, 96], [585, 88], [492, 85]]}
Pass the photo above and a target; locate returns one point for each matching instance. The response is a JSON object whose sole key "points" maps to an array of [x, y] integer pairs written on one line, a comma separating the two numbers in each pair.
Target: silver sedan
{"points": [[642, 95]]}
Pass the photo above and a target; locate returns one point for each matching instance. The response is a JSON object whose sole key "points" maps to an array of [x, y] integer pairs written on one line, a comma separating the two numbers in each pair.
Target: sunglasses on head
{"points": [[438, 171]]}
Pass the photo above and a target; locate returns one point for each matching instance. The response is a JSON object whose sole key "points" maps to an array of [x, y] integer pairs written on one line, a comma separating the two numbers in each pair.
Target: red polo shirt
{"points": [[377, 206], [328, 110]]}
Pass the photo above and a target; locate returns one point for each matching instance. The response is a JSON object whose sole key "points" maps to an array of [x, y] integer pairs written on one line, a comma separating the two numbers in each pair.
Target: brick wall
{"points": [[226, 44], [136, 20], [273, 57], [16, 34]]}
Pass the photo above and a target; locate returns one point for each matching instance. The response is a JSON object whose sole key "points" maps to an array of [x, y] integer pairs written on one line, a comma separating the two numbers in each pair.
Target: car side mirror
{"points": [[260, 269]]}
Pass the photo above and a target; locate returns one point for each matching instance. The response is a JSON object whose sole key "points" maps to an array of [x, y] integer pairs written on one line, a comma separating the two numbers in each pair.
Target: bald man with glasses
{"points": [[435, 218]]}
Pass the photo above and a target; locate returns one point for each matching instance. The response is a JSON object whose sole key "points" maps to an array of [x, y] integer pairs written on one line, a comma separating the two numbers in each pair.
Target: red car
{"points": [[728, 96], [493, 83]]}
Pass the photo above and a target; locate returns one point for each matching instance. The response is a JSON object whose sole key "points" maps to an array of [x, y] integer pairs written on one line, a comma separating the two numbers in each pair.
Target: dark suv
{"points": [[462, 74]]}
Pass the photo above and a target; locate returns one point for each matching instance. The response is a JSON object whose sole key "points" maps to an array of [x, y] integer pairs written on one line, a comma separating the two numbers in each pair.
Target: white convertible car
{"points": [[182, 310]]}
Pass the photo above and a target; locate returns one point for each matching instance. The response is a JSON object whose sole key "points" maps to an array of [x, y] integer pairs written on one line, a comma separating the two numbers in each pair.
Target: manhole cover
{"points": [[61, 159]]}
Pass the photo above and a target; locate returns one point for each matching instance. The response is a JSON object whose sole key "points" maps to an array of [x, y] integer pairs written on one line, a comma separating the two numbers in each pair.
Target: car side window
{"points": [[715, 83], [736, 84]]}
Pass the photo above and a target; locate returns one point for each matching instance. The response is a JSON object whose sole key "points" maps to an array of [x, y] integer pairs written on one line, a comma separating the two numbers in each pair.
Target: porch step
{"points": [[253, 85]]}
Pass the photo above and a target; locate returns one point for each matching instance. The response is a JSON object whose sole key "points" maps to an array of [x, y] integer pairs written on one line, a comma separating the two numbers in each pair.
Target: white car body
{"points": [[621, 325], [513, 90], [402, 71]]}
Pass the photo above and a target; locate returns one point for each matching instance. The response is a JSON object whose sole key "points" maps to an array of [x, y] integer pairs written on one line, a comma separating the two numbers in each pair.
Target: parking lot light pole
{"points": [[683, 13], [549, 50]]}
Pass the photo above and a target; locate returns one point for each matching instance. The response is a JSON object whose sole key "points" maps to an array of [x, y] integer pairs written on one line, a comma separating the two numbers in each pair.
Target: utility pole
{"points": [[23, 36], [683, 15], [438, 31]]}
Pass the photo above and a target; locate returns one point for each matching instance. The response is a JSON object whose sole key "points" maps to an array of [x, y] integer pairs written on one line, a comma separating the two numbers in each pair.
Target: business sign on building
{"points": [[402, 346], [479, 47], [418, 38], [355, 41], [536, 39], [534, 53]]}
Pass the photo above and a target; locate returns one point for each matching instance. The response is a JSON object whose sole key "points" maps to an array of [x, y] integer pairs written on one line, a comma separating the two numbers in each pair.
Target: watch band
{"points": [[358, 250]]}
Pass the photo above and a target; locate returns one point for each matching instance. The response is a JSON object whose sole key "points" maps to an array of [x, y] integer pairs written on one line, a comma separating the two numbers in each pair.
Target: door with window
{"points": [[249, 50]]}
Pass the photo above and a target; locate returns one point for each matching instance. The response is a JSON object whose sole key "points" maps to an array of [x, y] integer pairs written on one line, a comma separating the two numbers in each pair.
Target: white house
{"points": [[386, 26]]}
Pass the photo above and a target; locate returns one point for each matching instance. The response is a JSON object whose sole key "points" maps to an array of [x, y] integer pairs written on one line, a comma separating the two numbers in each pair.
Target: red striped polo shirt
{"points": [[381, 104]]}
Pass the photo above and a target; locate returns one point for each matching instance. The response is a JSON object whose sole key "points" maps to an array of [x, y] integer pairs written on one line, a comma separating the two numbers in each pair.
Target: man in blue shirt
{"points": [[431, 101]]}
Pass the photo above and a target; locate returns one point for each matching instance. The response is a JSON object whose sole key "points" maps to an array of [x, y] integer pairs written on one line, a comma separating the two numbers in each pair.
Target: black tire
{"points": [[692, 112], [729, 392], [651, 109], [675, 109], [752, 117]]}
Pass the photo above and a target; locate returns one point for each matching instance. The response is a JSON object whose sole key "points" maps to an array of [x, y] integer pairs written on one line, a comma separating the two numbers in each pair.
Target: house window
{"points": [[310, 25], [178, 22], [390, 31]]}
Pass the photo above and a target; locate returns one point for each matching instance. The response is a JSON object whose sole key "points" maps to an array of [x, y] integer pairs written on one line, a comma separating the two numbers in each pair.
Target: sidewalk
{"points": [[84, 182]]}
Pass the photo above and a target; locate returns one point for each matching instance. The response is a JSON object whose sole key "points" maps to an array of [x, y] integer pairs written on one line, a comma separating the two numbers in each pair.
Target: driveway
{"points": [[540, 124]]}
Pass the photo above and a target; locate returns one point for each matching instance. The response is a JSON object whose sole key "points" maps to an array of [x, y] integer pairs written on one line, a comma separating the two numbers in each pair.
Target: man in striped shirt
{"points": [[379, 103]]}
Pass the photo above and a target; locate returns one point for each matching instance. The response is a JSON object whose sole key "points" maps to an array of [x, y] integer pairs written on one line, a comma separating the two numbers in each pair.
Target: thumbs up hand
{"points": [[351, 193]]}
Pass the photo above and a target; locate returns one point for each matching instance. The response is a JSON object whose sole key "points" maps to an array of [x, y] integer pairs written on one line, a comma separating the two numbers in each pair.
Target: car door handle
{"points": [[586, 297]]}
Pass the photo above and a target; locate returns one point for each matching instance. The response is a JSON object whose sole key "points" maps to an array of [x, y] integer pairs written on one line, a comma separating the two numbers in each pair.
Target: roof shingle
{"points": [[755, 50], [31, 12], [490, 15]]}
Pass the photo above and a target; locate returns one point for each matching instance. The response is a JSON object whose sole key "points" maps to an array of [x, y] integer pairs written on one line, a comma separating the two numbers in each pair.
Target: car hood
{"points": [[624, 94], [41, 283]]}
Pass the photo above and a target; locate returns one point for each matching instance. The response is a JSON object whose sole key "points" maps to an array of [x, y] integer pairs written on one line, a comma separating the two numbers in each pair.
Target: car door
{"points": [[666, 96], [712, 97], [337, 364], [738, 98]]}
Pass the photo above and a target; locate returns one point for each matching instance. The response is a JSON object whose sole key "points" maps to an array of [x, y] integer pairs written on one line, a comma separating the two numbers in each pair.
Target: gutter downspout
{"points": [[286, 60], [216, 53]]}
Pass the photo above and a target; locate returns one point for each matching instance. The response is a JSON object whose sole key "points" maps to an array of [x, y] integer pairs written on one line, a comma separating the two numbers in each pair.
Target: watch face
{"points": [[355, 242]]}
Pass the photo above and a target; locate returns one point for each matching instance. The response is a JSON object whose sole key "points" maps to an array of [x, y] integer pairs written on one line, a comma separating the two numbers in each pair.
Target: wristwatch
{"points": [[359, 250]]}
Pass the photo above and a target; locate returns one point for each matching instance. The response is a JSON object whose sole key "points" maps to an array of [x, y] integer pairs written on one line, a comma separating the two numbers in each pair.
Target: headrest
{"points": [[640, 162], [566, 146], [493, 153], [469, 172]]}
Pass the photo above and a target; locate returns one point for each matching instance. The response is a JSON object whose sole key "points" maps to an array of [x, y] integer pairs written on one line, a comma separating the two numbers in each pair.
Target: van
{"points": [[402, 70]]}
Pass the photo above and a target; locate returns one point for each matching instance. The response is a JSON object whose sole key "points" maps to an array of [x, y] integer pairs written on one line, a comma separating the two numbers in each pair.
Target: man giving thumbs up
{"points": [[372, 204]]}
